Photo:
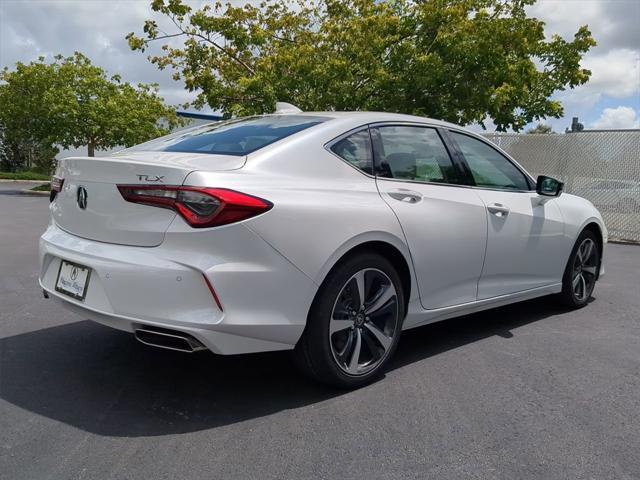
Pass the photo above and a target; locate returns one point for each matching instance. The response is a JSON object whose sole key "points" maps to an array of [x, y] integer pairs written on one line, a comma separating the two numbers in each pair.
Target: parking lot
{"points": [[526, 391]]}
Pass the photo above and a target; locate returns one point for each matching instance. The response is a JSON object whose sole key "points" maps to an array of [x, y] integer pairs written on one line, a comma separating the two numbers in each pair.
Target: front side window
{"points": [[356, 150], [489, 168], [413, 153], [234, 137]]}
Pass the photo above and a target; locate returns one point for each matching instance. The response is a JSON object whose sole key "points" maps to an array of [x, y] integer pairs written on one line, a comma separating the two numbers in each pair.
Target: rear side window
{"points": [[235, 137], [356, 150], [413, 153]]}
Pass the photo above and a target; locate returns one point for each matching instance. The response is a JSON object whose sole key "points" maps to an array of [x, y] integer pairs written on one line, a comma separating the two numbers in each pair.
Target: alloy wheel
{"points": [[364, 322], [585, 265]]}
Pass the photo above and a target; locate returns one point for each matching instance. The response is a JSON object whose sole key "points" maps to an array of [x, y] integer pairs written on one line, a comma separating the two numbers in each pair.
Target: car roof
{"points": [[367, 116]]}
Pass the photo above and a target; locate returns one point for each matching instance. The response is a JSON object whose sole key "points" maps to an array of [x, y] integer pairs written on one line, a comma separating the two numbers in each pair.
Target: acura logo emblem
{"points": [[81, 196]]}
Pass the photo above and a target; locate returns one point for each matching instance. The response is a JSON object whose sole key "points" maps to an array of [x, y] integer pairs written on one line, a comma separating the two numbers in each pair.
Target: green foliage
{"points": [[541, 128], [4, 159], [72, 103], [24, 120], [27, 152], [26, 175], [458, 60]]}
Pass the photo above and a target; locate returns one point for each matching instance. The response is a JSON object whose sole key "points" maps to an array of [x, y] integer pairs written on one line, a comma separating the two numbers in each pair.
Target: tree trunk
{"points": [[91, 149]]}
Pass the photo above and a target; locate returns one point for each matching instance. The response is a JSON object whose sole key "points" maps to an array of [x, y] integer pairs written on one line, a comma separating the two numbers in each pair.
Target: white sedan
{"points": [[323, 233]]}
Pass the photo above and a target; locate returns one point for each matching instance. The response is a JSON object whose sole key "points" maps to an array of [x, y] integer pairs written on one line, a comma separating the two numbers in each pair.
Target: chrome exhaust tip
{"points": [[168, 339]]}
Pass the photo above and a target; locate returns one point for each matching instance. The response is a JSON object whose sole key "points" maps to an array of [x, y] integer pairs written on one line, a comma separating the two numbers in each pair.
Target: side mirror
{"points": [[548, 186]]}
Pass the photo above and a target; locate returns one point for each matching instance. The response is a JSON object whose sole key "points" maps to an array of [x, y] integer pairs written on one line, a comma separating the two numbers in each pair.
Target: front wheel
{"points": [[581, 271], [354, 323]]}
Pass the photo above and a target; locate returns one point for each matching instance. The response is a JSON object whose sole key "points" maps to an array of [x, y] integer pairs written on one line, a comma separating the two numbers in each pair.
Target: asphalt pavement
{"points": [[521, 392]]}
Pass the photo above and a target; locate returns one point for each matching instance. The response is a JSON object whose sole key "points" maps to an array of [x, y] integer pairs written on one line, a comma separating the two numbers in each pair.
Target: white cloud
{"points": [[615, 73], [98, 27], [614, 62], [620, 117], [564, 17], [613, 23]]}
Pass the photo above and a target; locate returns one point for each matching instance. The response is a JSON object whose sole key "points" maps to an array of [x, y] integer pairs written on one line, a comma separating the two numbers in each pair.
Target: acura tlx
{"points": [[325, 233]]}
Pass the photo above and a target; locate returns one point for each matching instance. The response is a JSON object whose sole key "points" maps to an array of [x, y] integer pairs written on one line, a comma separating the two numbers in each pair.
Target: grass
{"points": [[23, 176], [45, 187]]}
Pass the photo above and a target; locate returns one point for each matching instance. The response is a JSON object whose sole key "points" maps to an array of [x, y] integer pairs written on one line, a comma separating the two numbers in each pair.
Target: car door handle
{"points": [[498, 209], [407, 196]]}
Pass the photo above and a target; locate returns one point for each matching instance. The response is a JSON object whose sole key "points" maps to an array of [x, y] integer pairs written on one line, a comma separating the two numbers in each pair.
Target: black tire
{"points": [[316, 352], [577, 296]]}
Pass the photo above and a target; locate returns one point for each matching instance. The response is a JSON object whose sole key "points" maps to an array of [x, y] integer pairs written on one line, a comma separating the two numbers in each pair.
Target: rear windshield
{"points": [[233, 137]]}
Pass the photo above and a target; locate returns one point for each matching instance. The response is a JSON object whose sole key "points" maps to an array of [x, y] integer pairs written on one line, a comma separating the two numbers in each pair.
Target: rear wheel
{"points": [[581, 272], [354, 323]]}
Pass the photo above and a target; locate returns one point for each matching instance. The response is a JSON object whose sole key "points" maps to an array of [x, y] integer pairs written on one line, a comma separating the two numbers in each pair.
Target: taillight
{"points": [[200, 207], [56, 187]]}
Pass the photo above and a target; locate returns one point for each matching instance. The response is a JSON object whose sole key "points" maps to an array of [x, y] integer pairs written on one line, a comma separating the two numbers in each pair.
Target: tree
{"points": [[72, 103], [24, 114], [458, 60], [3, 149], [18, 154], [540, 128]]}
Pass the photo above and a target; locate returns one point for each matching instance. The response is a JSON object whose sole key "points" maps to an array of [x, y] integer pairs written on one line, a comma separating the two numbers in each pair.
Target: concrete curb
{"points": [[34, 192]]}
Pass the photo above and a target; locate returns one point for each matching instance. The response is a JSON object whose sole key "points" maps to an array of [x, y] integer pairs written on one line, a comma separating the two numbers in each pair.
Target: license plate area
{"points": [[73, 279]]}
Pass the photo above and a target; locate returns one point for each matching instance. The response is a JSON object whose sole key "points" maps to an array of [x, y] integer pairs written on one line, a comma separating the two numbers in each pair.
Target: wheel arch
{"points": [[596, 229], [387, 246]]}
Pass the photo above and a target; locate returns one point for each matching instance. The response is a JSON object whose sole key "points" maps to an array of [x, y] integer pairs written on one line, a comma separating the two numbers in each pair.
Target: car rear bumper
{"points": [[264, 298]]}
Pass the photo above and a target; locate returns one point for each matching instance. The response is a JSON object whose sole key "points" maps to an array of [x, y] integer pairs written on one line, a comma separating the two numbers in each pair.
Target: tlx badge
{"points": [[150, 178]]}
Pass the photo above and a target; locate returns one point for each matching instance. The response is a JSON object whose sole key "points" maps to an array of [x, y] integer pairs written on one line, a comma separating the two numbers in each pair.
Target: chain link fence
{"points": [[603, 167]]}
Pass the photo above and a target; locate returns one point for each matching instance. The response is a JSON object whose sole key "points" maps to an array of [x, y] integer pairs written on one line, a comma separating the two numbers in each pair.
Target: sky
{"points": [[611, 99]]}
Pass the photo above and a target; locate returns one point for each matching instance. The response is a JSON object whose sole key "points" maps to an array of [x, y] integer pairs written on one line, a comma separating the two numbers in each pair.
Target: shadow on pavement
{"points": [[24, 193], [102, 381]]}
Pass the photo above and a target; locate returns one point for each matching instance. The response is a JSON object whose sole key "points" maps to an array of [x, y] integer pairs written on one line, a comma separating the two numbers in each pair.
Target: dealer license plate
{"points": [[73, 279]]}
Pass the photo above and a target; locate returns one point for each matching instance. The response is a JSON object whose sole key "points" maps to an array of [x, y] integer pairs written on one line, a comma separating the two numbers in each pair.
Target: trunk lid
{"points": [[106, 216]]}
